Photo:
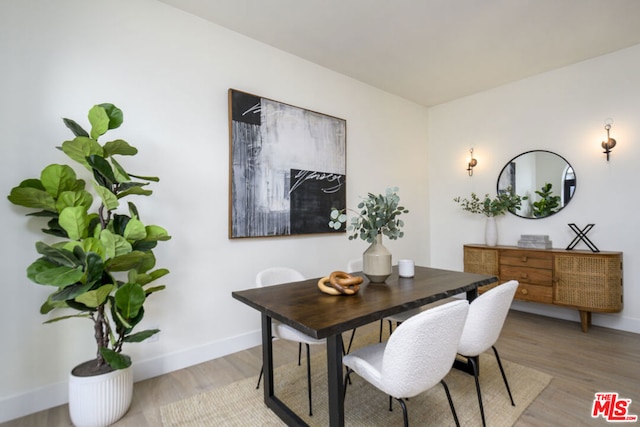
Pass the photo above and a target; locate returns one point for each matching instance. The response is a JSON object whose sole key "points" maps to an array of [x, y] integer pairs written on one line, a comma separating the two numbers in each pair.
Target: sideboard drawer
{"points": [[527, 259], [534, 293], [535, 276]]}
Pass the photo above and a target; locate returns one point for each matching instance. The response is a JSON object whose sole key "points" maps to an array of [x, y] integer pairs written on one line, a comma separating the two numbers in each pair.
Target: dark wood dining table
{"points": [[304, 307]]}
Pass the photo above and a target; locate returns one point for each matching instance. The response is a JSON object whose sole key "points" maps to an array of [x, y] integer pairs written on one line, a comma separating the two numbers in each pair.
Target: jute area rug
{"points": [[240, 404]]}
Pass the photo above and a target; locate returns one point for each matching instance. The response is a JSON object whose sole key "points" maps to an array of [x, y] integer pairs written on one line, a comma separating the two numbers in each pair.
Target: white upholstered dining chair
{"points": [[417, 356], [275, 276], [487, 314]]}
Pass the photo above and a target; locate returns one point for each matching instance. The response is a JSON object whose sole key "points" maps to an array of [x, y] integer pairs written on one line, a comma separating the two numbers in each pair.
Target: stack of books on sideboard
{"points": [[534, 241]]}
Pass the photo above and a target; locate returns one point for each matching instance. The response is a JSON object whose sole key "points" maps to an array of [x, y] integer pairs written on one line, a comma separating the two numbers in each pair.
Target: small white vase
{"points": [[100, 400], [376, 261], [491, 232]]}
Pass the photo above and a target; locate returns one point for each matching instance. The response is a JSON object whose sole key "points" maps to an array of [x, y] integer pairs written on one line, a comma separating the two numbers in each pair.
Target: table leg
{"points": [[267, 356], [471, 295], [335, 383], [270, 399]]}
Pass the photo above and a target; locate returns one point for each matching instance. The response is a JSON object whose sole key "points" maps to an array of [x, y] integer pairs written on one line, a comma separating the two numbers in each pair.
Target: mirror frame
{"points": [[512, 160]]}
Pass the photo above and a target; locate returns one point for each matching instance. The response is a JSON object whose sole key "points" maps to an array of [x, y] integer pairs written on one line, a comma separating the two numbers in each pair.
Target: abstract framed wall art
{"points": [[287, 168]]}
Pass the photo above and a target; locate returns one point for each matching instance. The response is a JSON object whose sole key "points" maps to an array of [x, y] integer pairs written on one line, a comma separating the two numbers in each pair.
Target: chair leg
{"points": [[309, 379], [390, 327], [299, 352], [353, 334], [381, 324], [260, 376], [347, 381], [474, 366], [453, 409], [404, 411], [504, 377]]}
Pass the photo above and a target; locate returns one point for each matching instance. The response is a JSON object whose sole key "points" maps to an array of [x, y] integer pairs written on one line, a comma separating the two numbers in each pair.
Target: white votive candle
{"points": [[406, 268]]}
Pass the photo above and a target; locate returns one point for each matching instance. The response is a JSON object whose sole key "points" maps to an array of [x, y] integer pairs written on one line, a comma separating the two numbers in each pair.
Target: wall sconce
{"points": [[473, 162], [610, 142]]}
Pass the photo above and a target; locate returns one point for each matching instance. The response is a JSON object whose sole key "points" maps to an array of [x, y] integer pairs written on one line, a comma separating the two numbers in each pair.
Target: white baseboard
{"points": [[57, 394]]}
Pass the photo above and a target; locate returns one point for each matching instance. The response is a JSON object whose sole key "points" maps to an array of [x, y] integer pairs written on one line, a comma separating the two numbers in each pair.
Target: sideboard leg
{"points": [[585, 320]]}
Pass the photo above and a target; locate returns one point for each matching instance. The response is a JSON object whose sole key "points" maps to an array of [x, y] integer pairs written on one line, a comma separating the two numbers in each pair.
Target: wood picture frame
{"points": [[287, 168]]}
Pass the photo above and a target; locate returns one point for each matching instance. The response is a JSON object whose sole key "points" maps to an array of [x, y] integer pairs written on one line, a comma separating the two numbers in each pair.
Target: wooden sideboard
{"points": [[584, 280]]}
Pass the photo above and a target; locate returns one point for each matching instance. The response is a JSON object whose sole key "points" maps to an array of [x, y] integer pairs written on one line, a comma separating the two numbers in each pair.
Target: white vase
{"points": [[491, 232], [100, 400], [376, 261]]}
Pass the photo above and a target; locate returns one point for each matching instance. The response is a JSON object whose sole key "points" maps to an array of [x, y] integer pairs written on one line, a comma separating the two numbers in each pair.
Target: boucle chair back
{"points": [[487, 314]]}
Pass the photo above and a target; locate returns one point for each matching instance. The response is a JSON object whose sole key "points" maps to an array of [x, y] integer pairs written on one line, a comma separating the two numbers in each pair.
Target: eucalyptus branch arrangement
{"points": [[102, 264], [378, 214], [491, 207]]}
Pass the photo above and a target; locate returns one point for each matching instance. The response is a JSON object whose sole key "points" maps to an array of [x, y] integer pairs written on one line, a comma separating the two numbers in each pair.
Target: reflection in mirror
{"points": [[546, 179]]}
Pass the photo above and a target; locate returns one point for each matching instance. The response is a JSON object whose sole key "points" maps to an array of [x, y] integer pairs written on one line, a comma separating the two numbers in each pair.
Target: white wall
{"points": [[169, 72], [561, 111]]}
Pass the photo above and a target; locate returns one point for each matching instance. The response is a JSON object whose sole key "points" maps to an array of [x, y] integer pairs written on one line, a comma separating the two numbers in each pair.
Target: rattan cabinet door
{"points": [[588, 282]]}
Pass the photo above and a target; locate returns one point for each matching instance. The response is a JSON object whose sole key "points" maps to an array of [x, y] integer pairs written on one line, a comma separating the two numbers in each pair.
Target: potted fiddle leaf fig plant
{"points": [[99, 258], [377, 216]]}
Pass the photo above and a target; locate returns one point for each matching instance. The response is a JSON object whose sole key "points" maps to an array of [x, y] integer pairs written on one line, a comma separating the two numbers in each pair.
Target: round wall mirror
{"points": [[546, 179]]}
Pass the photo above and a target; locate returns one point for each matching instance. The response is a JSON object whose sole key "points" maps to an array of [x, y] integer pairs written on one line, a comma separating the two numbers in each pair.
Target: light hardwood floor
{"points": [[602, 360]]}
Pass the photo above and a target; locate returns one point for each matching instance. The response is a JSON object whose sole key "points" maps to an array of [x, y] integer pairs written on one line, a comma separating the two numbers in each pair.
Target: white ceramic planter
{"points": [[376, 261], [100, 400], [491, 232]]}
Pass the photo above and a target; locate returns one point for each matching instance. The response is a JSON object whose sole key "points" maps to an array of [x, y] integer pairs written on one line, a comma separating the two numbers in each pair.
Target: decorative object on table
{"points": [[582, 235], [288, 167], [378, 216], [340, 283], [535, 241], [491, 207], [548, 204], [103, 263], [406, 268], [534, 167], [610, 142]]}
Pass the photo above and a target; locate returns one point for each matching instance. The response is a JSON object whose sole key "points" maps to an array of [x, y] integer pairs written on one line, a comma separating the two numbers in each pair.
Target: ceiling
{"points": [[432, 51]]}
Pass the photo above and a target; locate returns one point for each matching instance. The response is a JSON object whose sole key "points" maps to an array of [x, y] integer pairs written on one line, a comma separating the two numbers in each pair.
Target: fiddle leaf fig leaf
{"points": [[103, 168], [96, 297], [137, 260], [75, 128], [129, 299], [136, 189], [74, 221], [120, 147], [114, 359], [146, 178], [119, 172], [109, 200], [141, 336], [99, 121], [80, 148], [116, 117], [59, 276], [30, 197], [155, 232], [135, 230], [58, 178], [57, 256], [74, 198]]}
